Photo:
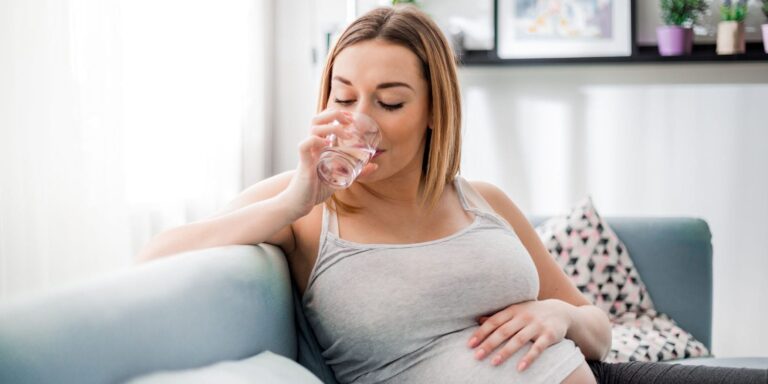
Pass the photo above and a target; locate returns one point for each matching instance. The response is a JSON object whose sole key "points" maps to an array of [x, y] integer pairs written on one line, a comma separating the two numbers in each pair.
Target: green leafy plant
{"points": [[734, 10], [683, 13], [765, 8], [414, 2]]}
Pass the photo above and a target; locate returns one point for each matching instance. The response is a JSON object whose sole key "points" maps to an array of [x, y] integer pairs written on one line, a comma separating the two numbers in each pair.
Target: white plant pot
{"points": [[730, 38], [765, 37]]}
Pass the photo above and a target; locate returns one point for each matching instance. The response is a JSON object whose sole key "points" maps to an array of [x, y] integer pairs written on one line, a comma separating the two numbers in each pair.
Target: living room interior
{"points": [[115, 128]]}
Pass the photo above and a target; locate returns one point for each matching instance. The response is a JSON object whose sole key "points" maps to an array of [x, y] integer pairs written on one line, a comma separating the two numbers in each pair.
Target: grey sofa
{"points": [[229, 303]]}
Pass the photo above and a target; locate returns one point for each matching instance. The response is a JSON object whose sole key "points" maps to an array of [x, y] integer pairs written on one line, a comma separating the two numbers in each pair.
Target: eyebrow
{"points": [[390, 84]]}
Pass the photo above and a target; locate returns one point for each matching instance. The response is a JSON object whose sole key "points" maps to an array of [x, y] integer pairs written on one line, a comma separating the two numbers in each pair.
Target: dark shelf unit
{"points": [[701, 53]]}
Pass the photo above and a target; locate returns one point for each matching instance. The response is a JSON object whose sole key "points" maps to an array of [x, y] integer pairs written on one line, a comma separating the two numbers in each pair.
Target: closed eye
{"points": [[343, 102], [388, 107], [391, 107]]}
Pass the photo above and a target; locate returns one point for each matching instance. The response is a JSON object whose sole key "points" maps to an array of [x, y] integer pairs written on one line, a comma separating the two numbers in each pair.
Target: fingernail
{"points": [[472, 342], [522, 366], [480, 354], [496, 360]]}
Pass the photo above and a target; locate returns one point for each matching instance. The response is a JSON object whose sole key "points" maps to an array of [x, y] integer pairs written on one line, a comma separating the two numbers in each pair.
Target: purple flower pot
{"points": [[674, 40]]}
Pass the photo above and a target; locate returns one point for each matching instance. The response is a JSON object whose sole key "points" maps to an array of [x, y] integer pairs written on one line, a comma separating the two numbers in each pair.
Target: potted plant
{"points": [[414, 2], [676, 35], [765, 26], [730, 30]]}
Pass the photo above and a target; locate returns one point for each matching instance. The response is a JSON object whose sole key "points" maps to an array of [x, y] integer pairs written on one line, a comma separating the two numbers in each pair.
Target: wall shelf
{"points": [[702, 53], [641, 54]]}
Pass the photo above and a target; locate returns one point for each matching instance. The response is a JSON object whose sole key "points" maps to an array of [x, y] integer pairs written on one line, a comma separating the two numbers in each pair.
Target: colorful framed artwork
{"points": [[552, 29]]}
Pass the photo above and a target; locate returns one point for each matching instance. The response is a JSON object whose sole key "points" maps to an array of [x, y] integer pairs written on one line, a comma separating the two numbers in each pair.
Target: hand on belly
{"points": [[543, 322]]}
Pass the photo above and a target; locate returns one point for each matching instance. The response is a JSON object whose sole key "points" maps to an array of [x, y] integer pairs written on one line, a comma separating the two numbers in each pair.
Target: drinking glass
{"points": [[344, 158]]}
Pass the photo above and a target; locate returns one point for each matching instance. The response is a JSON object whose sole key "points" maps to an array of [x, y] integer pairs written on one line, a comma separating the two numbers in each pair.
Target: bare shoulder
{"points": [[488, 190], [500, 202]]}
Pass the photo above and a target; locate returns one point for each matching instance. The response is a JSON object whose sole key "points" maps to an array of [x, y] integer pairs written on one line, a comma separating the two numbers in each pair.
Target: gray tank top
{"points": [[403, 313]]}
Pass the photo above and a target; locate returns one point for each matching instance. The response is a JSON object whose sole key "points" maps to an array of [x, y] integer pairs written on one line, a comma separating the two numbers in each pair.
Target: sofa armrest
{"points": [[183, 311]]}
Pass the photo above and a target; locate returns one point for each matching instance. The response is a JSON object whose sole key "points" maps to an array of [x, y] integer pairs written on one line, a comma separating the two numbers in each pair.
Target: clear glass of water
{"points": [[344, 158]]}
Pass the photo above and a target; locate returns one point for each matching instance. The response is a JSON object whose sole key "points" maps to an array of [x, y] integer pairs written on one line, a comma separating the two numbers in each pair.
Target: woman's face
{"points": [[384, 81]]}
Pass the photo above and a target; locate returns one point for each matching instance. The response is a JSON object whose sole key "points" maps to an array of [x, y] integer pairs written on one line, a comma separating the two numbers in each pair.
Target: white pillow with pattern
{"points": [[598, 263]]}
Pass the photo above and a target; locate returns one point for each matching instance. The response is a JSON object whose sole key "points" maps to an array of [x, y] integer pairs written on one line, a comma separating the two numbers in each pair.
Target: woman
{"points": [[412, 274]]}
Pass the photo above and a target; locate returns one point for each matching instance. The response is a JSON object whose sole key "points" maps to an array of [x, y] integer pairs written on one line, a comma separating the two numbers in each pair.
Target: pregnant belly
{"points": [[449, 360]]}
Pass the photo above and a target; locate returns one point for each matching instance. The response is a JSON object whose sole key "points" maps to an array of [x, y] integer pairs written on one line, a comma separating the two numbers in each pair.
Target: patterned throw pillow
{"points": [[598, 263], [651, 336]]}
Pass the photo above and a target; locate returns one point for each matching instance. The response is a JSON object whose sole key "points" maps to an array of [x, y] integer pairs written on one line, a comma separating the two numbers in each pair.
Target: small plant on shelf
{"points": [[730, 30], [675, 37], [733, 10], [765, 25], [414, 2], [683, 13]]}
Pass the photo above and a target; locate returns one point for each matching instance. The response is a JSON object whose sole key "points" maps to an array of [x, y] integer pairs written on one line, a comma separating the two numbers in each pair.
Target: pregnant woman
{"points": [[413, 274]]}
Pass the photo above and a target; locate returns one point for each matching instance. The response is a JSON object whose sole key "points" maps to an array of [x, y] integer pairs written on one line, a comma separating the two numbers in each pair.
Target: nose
{"points": [[365, 106]]}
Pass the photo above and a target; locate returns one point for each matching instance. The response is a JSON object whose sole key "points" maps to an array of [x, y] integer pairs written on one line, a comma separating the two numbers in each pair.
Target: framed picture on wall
{"points": [[539, 29]]}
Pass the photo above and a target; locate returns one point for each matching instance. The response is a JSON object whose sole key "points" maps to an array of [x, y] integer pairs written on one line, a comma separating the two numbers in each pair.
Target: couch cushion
{"points": [[591, 254], [651, 336], [598, 263], [266, 367]]}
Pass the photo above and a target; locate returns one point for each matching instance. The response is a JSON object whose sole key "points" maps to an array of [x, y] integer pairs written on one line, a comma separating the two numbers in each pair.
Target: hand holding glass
{"points": [[342, 161]]}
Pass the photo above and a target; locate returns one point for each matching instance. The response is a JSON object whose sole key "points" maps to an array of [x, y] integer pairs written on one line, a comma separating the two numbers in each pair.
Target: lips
{"points": [[378, 152]]}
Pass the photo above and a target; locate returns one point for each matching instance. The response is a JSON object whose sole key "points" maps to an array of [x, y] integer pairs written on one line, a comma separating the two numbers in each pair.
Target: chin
{"points": [[377, 175]]}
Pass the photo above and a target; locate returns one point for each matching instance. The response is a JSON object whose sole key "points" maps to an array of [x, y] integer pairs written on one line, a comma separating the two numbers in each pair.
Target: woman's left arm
{"points": [[591, 331], [560, 311]]}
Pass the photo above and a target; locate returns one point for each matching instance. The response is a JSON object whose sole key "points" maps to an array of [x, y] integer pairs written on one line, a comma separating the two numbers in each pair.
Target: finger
{"points": [[542, 343], [500, 334], [515, 343], [310, 148], [329, 115], [482, 319], [489, 325], [368, 169], [341, 130]]}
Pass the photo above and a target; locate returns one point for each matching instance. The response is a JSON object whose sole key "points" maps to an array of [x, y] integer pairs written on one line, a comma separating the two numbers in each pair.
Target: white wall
{"points": [[678, 139]]}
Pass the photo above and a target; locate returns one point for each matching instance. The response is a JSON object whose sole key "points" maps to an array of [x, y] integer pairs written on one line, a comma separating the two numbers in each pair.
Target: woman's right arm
{"points": [[265, 211], [261, 213]]}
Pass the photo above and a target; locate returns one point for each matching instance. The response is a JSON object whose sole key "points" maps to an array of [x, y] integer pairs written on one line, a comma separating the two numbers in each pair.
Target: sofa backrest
{"points": [[673, 256]]}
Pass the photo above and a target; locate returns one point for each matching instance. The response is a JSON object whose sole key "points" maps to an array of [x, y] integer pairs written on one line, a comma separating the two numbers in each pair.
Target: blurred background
{"points": [[120, 119]]}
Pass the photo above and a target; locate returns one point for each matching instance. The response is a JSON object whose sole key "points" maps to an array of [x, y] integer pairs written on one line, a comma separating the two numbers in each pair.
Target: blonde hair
{"points": [[411, 28]]}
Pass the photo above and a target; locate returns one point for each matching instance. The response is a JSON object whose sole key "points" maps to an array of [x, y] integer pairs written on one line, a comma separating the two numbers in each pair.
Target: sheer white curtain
{"points": [[119, 119]]}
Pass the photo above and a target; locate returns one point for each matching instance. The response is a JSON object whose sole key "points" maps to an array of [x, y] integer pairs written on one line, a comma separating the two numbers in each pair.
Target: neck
{"points": [[401, 190]]}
